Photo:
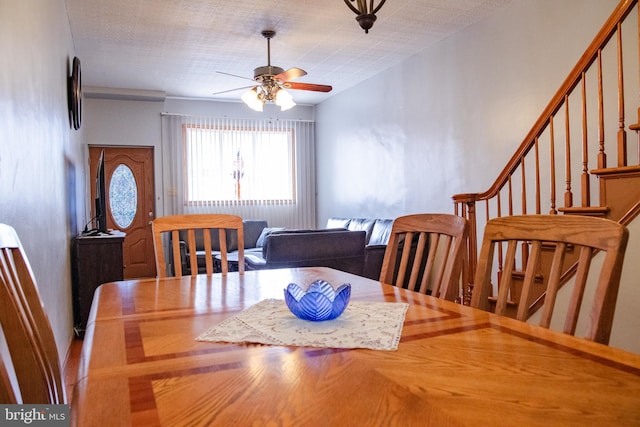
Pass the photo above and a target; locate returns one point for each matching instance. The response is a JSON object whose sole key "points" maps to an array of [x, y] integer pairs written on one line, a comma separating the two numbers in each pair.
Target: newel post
{"points": [[467, 203]]}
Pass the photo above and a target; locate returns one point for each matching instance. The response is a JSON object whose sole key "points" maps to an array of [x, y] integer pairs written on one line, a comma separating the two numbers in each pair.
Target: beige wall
{"points": [[447, 120], [41, 167]]}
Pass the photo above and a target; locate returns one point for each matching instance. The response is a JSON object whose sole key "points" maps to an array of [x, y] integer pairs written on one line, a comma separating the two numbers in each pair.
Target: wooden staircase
{"points": [[591, 102]]}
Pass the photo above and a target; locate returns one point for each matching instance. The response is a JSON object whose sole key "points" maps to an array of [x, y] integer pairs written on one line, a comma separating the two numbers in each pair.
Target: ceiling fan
{"points": [[273, 82]]}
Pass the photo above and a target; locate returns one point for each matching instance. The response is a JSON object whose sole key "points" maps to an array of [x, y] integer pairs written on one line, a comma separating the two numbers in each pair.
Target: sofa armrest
{"points": [[373, 257]]}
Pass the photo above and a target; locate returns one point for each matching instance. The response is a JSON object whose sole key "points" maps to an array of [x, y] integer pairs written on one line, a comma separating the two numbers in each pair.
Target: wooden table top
{"points": [[455, 366]]}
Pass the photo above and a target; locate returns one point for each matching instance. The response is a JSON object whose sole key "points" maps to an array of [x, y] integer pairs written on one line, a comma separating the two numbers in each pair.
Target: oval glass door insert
{"points": [[123, 196]]}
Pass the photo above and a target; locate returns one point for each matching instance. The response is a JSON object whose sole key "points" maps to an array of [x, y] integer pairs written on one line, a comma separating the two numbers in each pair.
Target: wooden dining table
{"points": [[454, 365]]}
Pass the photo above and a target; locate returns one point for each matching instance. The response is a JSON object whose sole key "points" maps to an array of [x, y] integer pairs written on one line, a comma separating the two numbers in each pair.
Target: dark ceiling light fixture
{"points": [[366, 17]]}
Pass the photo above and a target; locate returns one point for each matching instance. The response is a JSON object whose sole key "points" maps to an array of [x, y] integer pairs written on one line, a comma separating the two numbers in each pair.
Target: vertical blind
{"points": [[257, 169]]}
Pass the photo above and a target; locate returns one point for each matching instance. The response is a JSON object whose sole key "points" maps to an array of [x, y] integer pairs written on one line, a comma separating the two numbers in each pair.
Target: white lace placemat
{"points": [[373, 325]]}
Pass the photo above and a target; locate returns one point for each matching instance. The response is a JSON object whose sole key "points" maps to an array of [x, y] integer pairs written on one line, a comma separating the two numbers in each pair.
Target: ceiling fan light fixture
{"points": [[366, 16], [284, 100], [252, 99], [271, 83]]}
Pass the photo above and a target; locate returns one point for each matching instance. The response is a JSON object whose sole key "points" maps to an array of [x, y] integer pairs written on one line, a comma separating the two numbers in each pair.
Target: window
{"points": [[240, 166], [275, 168]]}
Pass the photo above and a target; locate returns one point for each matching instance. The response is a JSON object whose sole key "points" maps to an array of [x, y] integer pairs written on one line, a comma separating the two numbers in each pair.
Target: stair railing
{"points": [[592, 90]]}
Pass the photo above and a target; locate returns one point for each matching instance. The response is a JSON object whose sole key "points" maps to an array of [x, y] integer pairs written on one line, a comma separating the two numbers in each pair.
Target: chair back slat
{"points": [[223, 247], [423, 244], [534, 253], [553, 284], [571, 322], [175, 237], [415, 268]]}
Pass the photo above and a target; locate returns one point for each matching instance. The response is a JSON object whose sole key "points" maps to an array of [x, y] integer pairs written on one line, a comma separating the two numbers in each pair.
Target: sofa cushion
{"points": [[336, 222], [380, 232], [364, 224]]}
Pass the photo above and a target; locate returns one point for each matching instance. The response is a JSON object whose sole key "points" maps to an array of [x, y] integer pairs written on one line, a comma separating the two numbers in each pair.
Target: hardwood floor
{"points": [[70, 369]]}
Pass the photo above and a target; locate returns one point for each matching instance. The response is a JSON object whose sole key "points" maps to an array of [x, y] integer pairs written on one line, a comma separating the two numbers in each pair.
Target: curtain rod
{"points": [[168, 114]]}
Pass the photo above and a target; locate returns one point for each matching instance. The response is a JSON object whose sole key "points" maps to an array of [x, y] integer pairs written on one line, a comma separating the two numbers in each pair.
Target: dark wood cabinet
{"points": [[96, 260]]}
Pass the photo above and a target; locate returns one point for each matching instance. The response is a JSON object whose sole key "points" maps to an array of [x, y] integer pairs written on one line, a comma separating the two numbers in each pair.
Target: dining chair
{"points": [[425, 253], [200, 223], [7, 395], [28, 334], [563, 235]]}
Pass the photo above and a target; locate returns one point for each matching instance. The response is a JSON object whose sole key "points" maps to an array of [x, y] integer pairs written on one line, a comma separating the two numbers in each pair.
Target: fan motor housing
{"points": [[266, 71]]}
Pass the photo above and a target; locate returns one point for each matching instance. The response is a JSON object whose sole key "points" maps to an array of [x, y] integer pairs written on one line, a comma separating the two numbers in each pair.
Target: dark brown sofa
{"points": [[377, 236], [336, 248], [355, 245]]}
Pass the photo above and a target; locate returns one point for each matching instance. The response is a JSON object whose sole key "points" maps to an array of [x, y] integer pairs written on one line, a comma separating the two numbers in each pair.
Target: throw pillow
{"points": [[265, 232]]}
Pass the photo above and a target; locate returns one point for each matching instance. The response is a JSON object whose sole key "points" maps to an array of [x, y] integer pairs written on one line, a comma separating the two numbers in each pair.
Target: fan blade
{"points": [[235, 75], [290, 74], [233, 90], [308, 86]]}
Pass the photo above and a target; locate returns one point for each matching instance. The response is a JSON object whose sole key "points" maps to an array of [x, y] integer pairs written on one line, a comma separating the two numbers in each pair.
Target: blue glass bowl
{"points": [[319, 302]]}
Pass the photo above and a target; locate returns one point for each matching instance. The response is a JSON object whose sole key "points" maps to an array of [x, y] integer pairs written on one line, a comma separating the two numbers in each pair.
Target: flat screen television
{"points": [[101, 197]]}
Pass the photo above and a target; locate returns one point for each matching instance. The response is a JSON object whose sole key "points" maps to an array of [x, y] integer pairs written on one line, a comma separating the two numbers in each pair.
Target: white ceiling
{"points": [[177, 46]]}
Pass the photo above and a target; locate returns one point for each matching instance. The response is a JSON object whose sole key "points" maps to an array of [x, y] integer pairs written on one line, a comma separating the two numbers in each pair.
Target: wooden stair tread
{"points": [[587, 210], [519, 274], [509, 302], [618, 170]]}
